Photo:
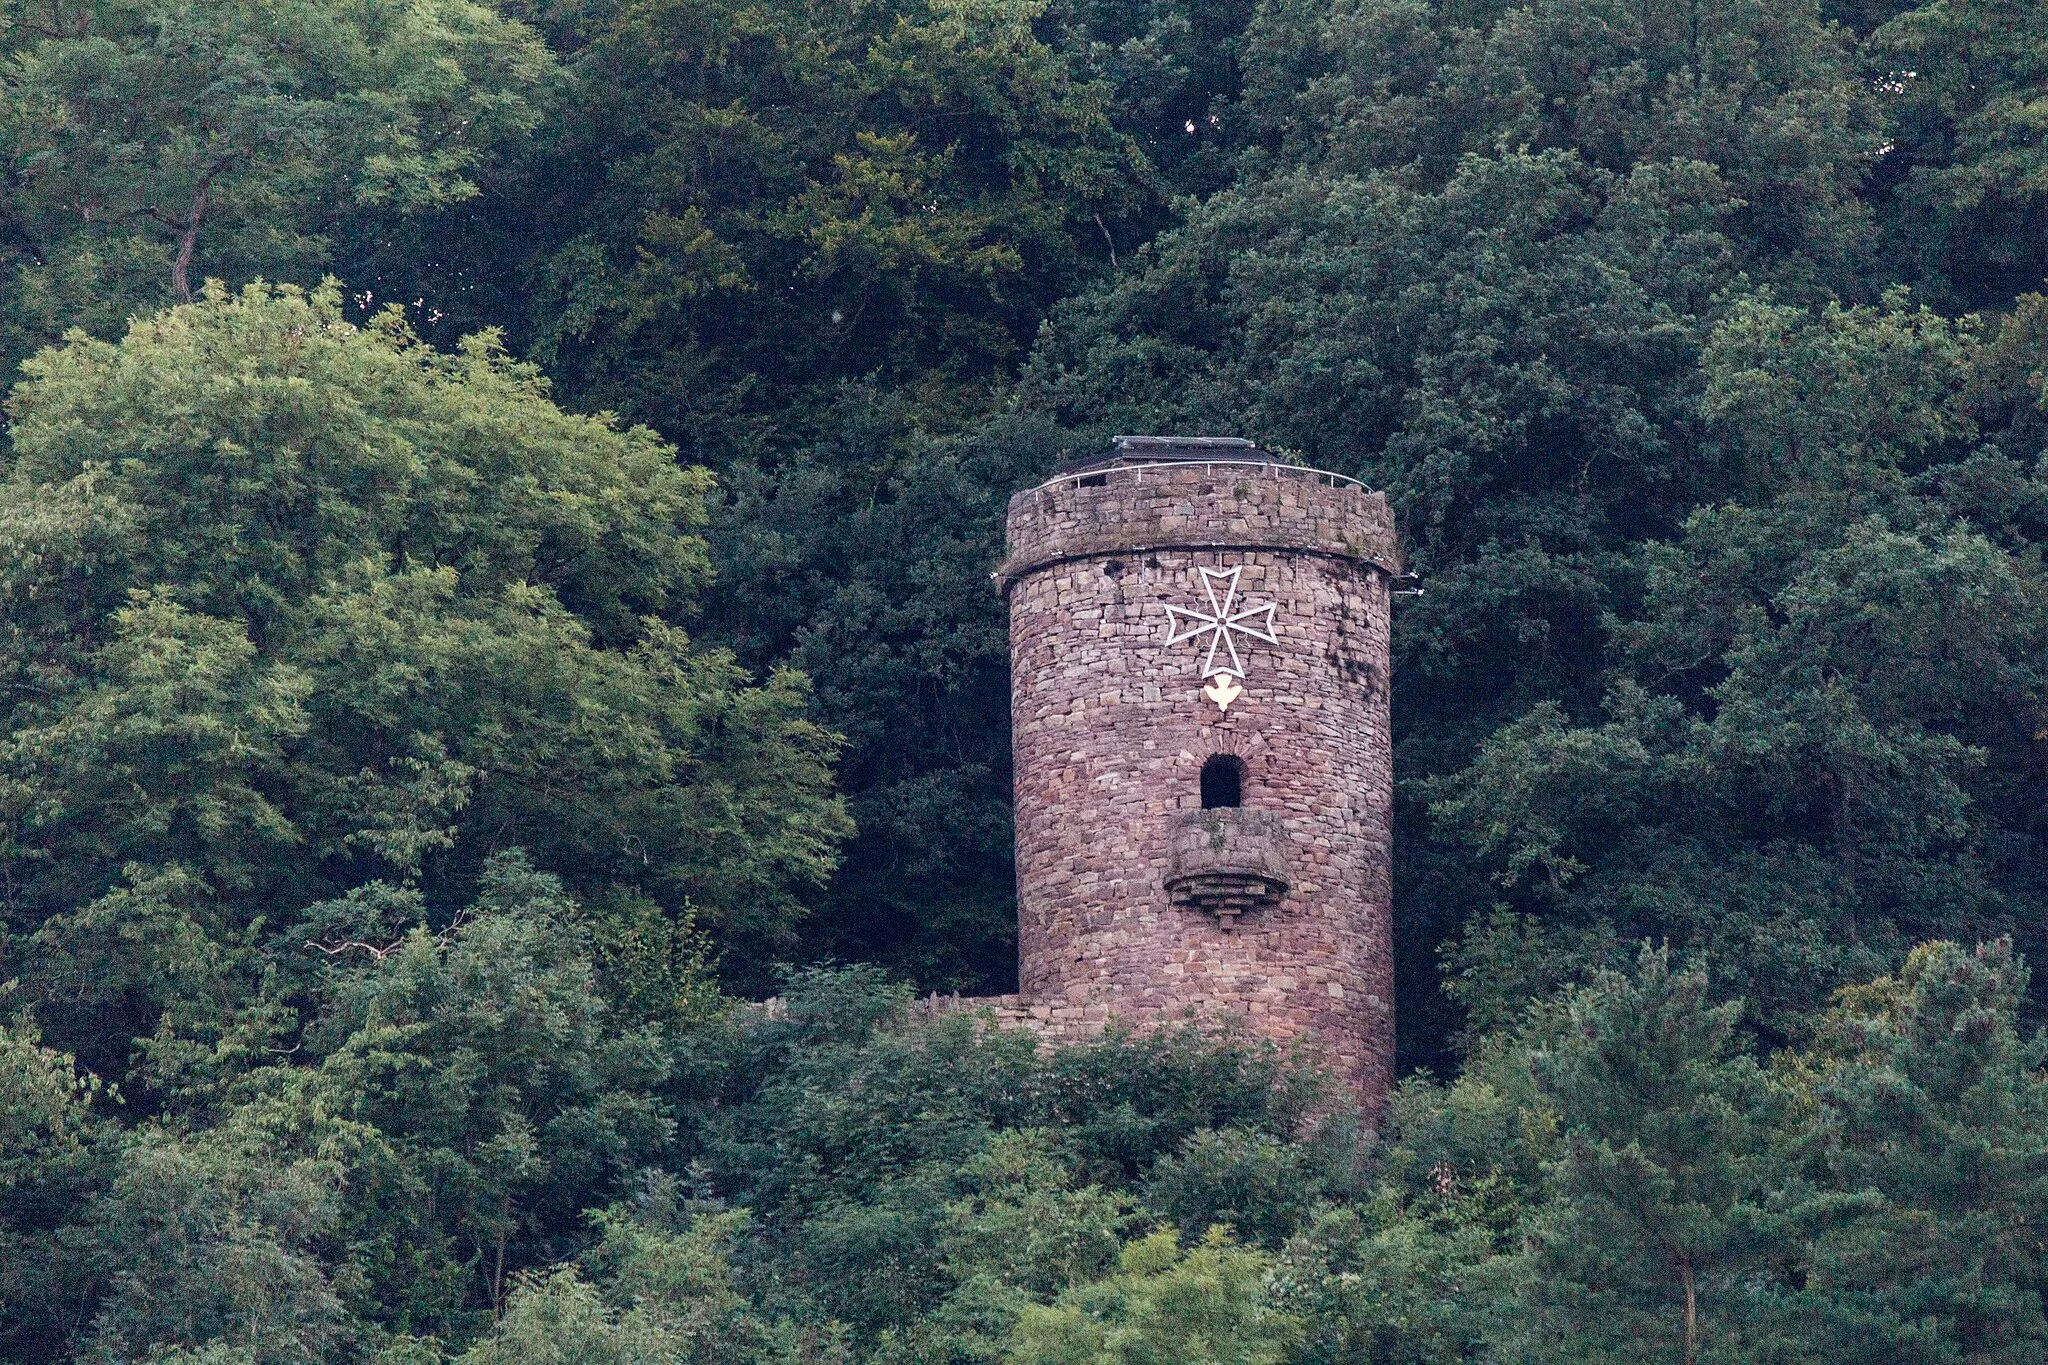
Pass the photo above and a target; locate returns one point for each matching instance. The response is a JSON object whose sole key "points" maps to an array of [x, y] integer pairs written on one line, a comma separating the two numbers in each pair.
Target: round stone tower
{"points": [[1199, 670]]}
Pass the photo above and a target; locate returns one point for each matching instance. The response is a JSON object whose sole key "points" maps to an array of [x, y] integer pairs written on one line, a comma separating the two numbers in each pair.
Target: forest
{"points": [[496, 507]]}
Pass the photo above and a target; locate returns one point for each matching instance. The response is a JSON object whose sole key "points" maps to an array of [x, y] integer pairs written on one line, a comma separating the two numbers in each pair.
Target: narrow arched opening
{"points": [[1222, 781]]}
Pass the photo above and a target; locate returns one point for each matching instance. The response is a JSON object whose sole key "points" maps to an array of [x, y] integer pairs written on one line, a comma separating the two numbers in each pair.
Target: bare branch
{"points": [[337, 949]]}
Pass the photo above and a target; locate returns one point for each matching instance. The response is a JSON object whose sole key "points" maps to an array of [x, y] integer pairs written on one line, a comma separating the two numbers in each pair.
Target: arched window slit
{"points": [[1222, 782]]}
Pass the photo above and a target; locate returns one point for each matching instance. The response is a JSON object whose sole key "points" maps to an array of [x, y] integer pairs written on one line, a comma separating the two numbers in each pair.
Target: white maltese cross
{"points": [[1222, 623]]}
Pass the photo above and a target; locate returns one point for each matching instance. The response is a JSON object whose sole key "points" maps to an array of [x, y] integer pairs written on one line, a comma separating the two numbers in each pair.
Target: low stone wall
{"points": [[1052, 1021], [1062, 1024]]}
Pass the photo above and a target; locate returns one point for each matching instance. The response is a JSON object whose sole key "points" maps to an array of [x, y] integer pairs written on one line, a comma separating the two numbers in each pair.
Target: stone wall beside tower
{"points": [[1135, 899]]}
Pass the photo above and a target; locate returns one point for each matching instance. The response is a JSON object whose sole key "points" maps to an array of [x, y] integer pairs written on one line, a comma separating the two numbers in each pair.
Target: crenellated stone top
{"points": [[1231, 496]]}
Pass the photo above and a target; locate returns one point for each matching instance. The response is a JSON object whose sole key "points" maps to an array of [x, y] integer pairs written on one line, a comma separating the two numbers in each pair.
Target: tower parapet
{"points": [[1204, 777], [1194, 493]]}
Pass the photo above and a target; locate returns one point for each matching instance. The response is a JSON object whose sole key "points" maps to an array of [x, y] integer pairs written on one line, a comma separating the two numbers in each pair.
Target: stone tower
{"points": [[1199, 671]]}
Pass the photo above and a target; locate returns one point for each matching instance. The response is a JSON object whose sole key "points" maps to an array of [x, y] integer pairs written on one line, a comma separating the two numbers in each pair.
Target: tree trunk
{"points": [[498, 1270], [1692, 1313], [1845, 823], [188, 237]]}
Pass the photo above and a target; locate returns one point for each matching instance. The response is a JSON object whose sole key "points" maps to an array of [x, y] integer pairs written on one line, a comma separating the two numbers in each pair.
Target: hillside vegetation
{"points": [[496, 502]]}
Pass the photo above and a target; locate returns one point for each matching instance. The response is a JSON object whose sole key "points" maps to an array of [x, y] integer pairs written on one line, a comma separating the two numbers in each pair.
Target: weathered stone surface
{"points": [[1226, 862], [1249, 506], [1111, 731]]}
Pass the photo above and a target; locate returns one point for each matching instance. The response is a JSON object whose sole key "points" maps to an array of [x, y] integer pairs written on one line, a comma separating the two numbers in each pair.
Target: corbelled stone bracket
{"points": [[1226, 862]]}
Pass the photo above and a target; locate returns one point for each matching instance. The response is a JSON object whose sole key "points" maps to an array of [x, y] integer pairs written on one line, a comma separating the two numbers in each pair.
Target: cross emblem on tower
{"points": [[1222, 623]]}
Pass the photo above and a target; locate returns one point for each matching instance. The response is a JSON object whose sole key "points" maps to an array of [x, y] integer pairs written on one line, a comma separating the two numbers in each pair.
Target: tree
{"points": [[1821, 715], [499, 1096], [922, 1177], [1932, 1100], [659, 1286], [297, 605], [216, 1241], [768, 202], [50, 1158], [1662, 1188], [1207, 1306], [864, 561], [144, 141], [1962, 171]]}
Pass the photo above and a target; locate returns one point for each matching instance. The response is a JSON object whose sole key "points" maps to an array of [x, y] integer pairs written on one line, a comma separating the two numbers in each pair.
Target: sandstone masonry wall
{"points": [[1111, 730]]}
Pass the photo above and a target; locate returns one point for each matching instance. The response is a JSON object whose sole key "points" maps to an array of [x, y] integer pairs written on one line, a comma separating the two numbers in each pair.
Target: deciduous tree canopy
{"points": [[496, 503]]}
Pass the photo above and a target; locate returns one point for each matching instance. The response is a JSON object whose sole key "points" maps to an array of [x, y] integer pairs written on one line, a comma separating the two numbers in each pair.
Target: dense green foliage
{"points": [[474, 1154], [150, 145], [293, 606], [495, 511]]}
